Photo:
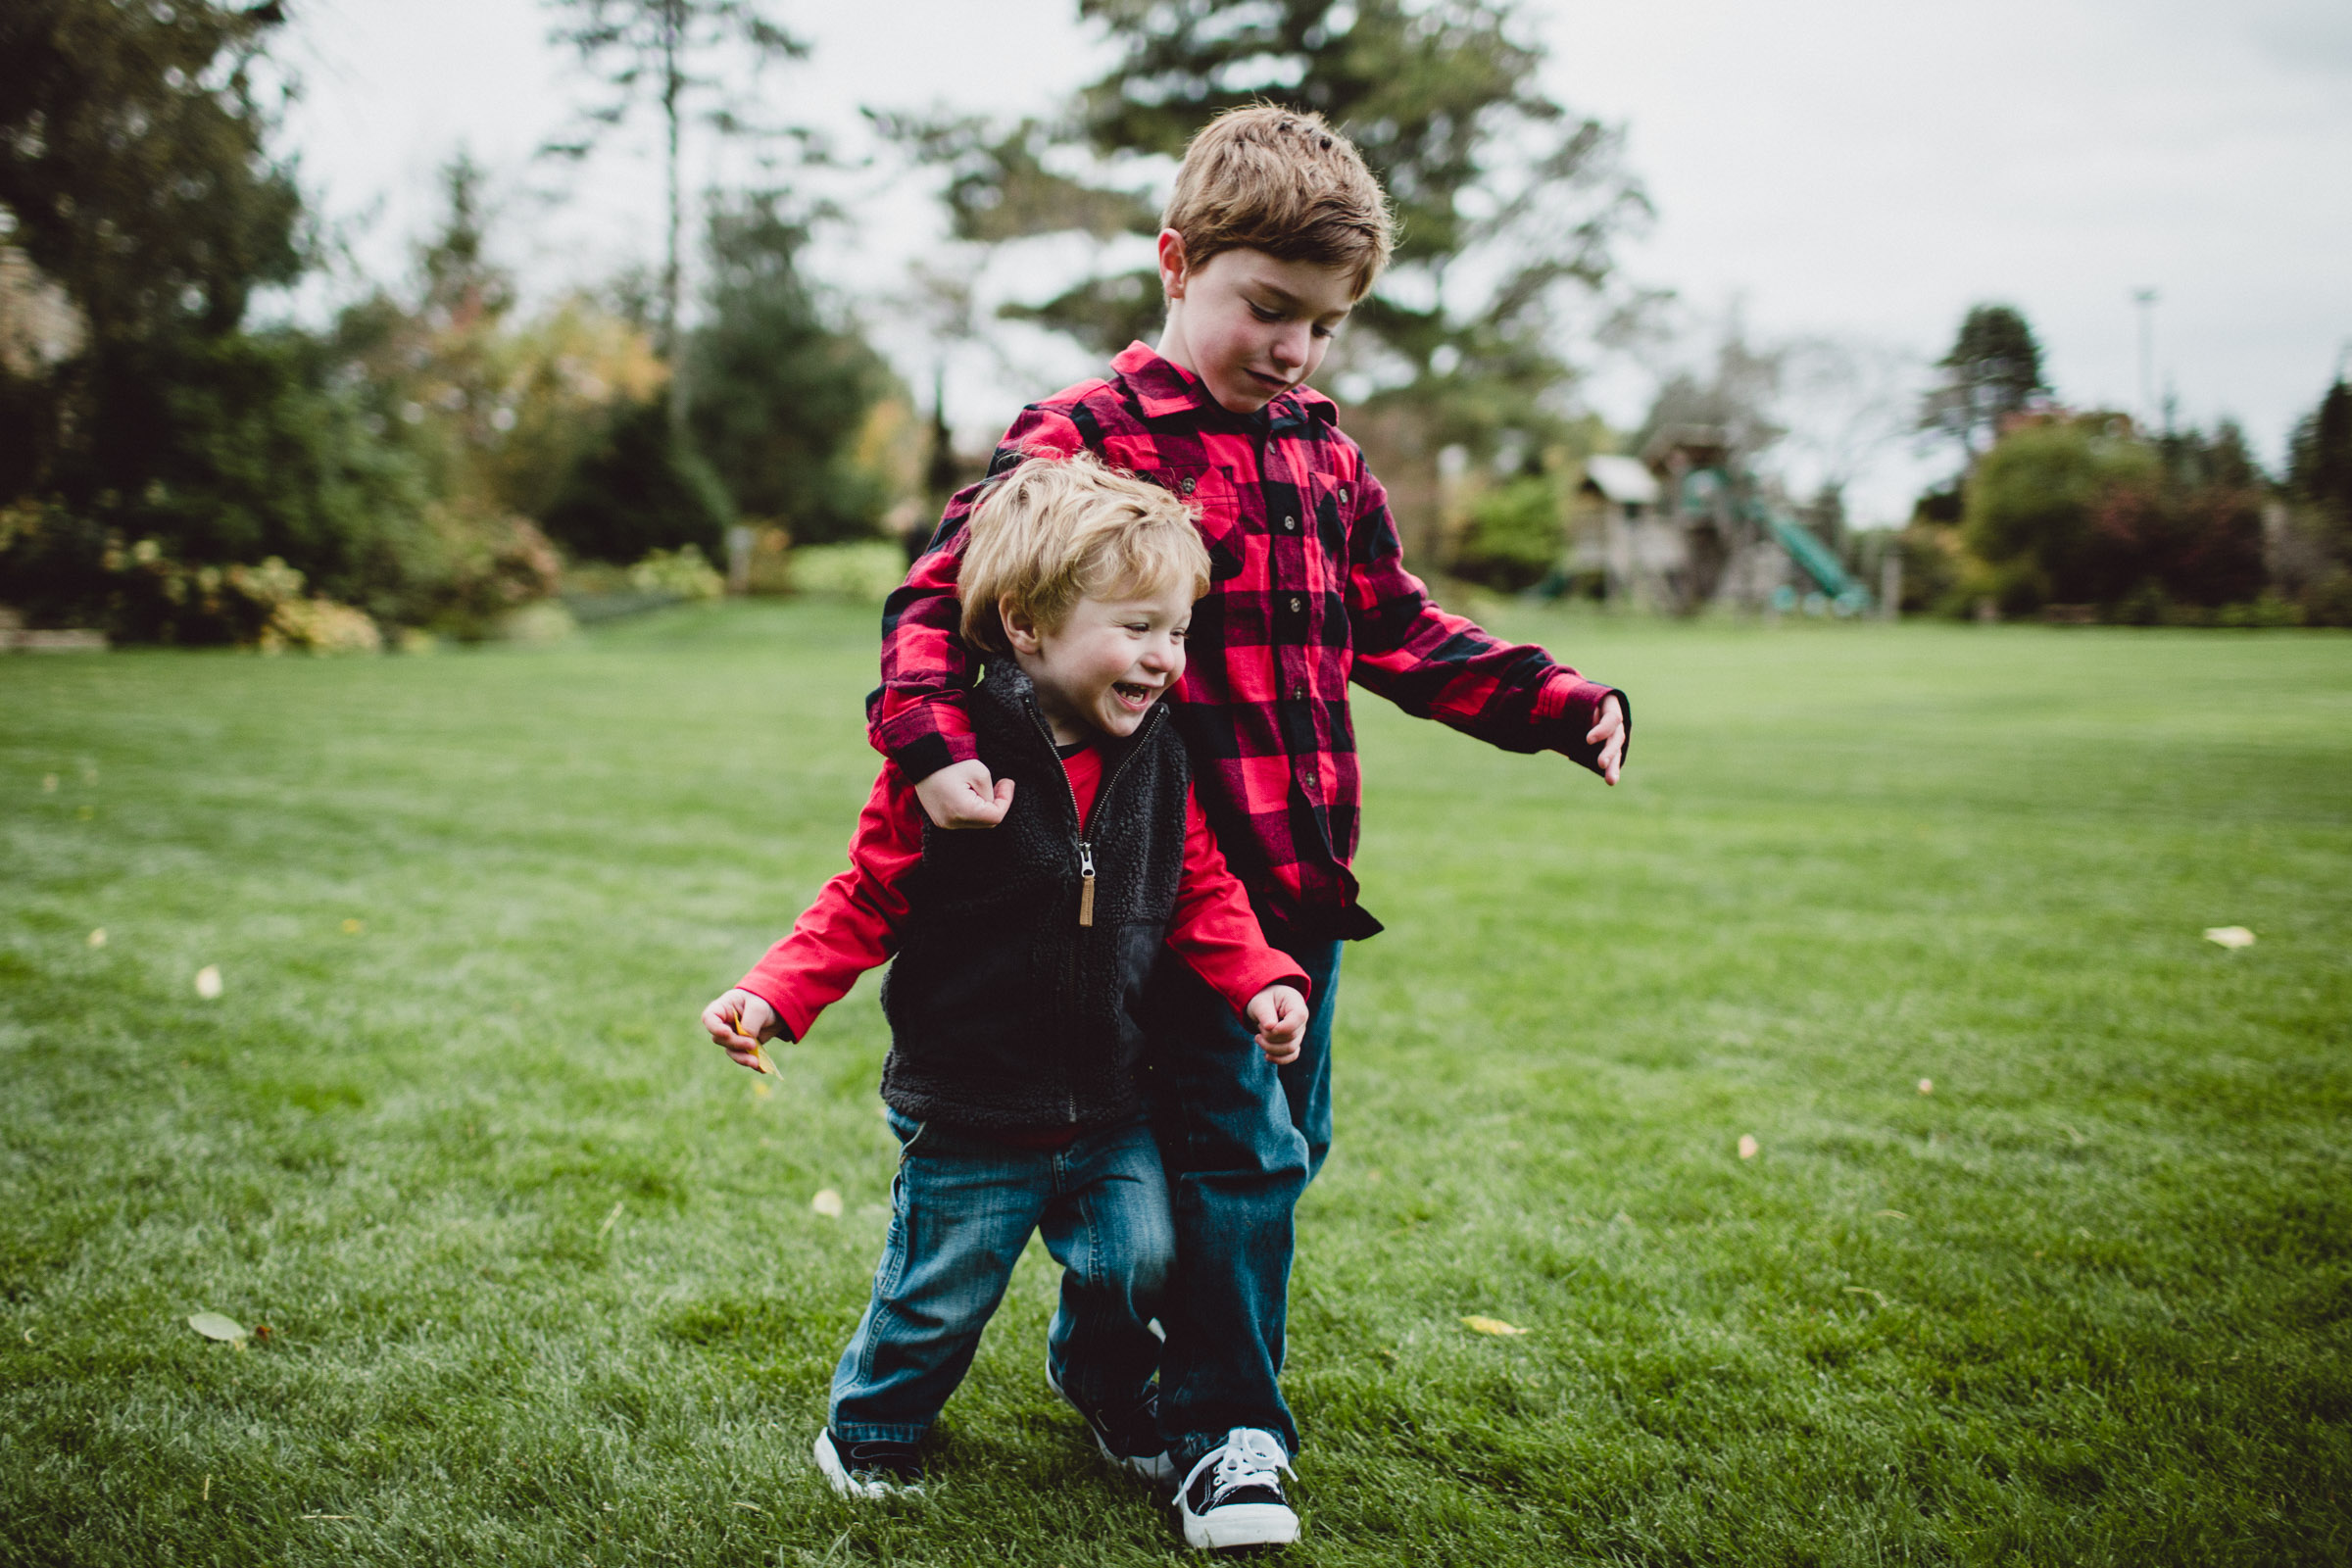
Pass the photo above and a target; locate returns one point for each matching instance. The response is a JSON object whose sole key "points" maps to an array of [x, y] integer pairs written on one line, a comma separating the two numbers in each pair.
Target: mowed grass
{"points": [[545, 1284]]}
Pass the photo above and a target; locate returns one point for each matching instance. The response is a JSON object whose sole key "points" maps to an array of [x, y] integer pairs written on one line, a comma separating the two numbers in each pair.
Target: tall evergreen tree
{"points": [[1509, 202], [1994, 369], [687, 58]]}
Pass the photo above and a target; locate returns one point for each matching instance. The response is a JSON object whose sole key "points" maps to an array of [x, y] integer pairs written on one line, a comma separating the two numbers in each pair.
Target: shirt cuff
{"points": [[1274, 969], [1570, 706]]}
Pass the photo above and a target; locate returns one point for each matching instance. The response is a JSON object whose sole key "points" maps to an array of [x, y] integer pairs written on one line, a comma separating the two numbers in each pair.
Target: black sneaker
{"points": [[1233, 1497], [872, 1469], [1130, 1437]]}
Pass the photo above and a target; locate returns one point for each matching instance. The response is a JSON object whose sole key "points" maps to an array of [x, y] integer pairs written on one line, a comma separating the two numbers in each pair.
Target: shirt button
{"points": [[1290, 523], [1297, 603], [1186, 488], [1342, 495], [1309, 776], [1298, 691]]}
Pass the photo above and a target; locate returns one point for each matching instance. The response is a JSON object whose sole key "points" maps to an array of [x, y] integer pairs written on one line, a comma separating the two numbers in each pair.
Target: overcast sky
{"points": [[1840, 168]]}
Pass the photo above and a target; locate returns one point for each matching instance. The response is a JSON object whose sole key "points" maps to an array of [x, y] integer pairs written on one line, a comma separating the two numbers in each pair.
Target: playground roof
{"points": [[1621, 479]]}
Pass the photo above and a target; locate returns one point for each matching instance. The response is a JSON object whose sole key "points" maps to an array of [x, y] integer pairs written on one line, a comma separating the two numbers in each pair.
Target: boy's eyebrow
{"points": [[1288, 298]]}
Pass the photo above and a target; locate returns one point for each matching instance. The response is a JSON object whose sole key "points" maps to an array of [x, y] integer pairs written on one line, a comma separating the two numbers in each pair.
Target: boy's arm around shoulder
{"points": [[916, 718], [1440, 665], [854, 924]]}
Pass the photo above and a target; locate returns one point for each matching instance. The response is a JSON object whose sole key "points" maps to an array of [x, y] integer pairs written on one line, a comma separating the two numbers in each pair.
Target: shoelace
{"points": [[1250, 1458]]}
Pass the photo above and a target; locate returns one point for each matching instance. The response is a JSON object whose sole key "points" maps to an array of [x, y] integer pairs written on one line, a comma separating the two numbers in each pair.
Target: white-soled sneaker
{"points": [[1129, 1439], [869, 1470], [1233, 1498]]}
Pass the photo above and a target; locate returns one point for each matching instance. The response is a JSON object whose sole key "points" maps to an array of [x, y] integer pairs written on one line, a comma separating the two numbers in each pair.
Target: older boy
{"points": [[1023, 954], [1275, 229]]}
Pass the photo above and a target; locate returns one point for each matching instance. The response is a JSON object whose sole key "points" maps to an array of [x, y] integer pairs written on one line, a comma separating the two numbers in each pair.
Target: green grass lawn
{"points": [[546, 1286]]}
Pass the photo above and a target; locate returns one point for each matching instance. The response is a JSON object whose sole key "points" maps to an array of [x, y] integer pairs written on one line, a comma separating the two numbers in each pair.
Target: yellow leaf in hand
{"points": [[1491, 1325]]}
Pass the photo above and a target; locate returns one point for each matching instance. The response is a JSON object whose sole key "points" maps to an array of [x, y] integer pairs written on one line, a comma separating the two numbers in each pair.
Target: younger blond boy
{"points": [[1015, 1002], [1275, 230]]}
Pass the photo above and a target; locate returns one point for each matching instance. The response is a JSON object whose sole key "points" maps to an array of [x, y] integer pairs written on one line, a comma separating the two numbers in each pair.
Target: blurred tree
{"points": [[1508, 201], [168, 443], [2319, 457], [2069, 510], [1994, 371], [133, 174], [680, 54], [2317, 543], [780, 390], [638, 489]]}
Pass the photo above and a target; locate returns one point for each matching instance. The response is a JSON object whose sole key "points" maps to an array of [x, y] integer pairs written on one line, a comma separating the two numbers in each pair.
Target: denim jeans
{"points": [[962, 1207], [1240, 1138]]}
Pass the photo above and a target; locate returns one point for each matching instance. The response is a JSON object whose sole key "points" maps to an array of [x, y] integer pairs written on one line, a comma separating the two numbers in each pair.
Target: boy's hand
{"points": [[962, 795], [1280, 1014], [1608, 734], [739, 1022]]}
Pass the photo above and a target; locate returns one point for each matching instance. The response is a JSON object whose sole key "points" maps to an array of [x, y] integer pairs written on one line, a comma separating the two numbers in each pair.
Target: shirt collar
{"points": [[1161, 387]]}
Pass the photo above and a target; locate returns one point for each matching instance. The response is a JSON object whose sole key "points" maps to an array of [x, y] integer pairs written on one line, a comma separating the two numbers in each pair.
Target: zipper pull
{"points": [[1086, 883]]}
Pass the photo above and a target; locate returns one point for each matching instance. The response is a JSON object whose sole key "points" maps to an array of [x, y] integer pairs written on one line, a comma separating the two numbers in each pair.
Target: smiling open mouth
{"points": [[1130, 695]]}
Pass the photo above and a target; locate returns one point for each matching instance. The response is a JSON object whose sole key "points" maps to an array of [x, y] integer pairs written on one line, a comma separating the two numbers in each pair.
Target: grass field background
{"points": [[544, 1280]]}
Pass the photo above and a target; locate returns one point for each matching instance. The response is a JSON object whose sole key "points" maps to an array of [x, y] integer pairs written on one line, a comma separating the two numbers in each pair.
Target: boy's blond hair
{"points": [[1056, 530], [1282, 181]]}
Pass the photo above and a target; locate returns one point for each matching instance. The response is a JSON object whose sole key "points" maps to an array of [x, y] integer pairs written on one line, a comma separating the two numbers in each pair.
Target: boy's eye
{"points": [[1264, 314], [1321, 330]]}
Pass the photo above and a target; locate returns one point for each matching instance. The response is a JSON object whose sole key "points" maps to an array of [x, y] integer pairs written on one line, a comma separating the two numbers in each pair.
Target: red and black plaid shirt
{"points": [[1308, 592]]}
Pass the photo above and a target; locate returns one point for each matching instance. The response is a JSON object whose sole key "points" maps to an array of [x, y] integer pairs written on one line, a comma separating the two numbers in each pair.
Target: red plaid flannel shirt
{"points": [[1308, 592]]}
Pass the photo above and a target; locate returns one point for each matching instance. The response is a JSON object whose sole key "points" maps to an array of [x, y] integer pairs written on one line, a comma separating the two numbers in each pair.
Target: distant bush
{"points": [[640, 489], [1514, 536], [2069, 511], [866, 571]]}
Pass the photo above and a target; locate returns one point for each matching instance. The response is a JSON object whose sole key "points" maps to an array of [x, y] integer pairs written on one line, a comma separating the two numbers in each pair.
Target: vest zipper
{"points": [[1085, 848]]}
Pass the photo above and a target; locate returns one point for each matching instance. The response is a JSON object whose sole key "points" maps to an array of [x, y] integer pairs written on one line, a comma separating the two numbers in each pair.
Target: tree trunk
{"points": [[673, 347]]}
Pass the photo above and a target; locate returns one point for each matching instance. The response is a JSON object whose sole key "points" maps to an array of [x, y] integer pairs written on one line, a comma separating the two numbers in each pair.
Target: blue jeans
{"points": [[1241, 1139], [962, 1207]]}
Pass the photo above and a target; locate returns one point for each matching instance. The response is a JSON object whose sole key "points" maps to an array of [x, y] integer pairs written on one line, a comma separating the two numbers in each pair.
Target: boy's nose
{"points": [[1290, 346]]}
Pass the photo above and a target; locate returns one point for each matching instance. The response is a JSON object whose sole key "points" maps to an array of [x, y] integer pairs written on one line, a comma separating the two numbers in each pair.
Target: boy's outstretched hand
{"points": [[1608, 734], [739, 1022], [1280, 1014], [962, 795]]}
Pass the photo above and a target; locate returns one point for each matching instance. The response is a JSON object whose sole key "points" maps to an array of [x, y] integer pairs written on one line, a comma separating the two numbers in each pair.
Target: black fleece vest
{"points": [[1006, 1014]]}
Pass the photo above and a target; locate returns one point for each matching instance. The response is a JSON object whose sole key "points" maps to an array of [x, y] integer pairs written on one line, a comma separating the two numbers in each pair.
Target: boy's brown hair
{"points": [[1056, 530], [1282, 181]]}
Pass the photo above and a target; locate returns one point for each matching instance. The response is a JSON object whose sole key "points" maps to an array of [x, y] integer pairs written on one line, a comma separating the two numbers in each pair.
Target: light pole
{"points": [[2145, 299]]}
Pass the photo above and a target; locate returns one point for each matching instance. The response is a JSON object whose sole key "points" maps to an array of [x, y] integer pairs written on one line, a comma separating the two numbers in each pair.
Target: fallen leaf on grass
{"points": [[1748, 1146], [2229, 936], [212, 1326], [612, 1219], [753, 1506], [207, 981], [1927, 1086], [1490, 1325], [827, 1202], [353, 928], [760, 1089], [98, 937]]}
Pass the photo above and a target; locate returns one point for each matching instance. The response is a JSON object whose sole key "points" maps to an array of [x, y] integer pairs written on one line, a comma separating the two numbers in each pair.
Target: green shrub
{"points": [[1514, 537], [640, 489]]}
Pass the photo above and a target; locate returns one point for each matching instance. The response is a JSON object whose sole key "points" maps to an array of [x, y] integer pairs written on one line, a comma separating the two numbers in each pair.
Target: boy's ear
{"points": [[1019, 629], [1171, 264]]}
